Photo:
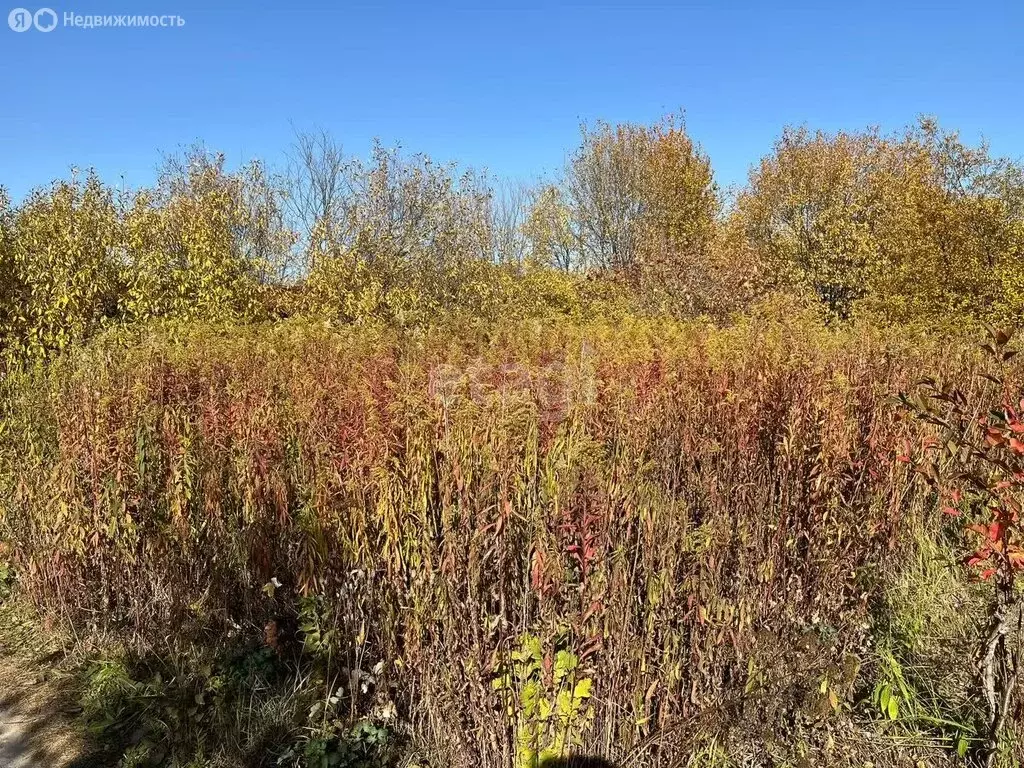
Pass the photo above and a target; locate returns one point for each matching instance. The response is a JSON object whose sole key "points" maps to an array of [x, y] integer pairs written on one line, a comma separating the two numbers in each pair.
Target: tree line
{"points": [[910, 227]]}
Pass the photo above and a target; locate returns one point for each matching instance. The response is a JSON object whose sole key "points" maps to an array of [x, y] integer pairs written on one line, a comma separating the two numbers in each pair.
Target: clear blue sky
{"points": [[495, 85]]}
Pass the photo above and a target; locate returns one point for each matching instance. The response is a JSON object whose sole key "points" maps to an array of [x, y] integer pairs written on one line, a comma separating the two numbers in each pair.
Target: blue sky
{"points": [[495, 85]]}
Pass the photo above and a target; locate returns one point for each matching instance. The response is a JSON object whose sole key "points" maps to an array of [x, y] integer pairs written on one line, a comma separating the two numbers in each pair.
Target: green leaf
{"points": [[962, 745], [563, 703], [565, 662], [543, 709], [532, 648], [502, 682], [894, 707], [582, 689], [528, 698]]}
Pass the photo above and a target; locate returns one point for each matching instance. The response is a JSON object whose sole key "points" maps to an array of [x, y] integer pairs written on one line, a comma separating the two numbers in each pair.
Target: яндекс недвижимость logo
{"points": [[46, 20], [22, 19]]}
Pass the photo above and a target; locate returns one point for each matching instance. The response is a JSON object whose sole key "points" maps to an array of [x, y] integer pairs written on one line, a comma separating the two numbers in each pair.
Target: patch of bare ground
{"points": [[37, 718]]}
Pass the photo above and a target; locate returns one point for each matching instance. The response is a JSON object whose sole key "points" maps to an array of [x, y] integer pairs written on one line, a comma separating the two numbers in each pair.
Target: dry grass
{"points": [[707, 519]]}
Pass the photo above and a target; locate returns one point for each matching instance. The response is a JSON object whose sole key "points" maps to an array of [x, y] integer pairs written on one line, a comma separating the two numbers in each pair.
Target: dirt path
{"points": [[36, 729]]}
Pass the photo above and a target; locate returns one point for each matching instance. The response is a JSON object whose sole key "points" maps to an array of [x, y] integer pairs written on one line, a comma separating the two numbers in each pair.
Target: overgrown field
{"points": [[375, 462], [661, 543]]}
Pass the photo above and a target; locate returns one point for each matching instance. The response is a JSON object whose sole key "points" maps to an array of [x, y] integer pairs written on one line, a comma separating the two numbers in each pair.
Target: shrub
{"points": [[979, 451], [61, 280], [203, 244]]}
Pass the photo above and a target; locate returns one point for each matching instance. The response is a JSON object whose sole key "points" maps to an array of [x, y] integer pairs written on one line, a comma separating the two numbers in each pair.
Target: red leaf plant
{"points": [[974, 458]]}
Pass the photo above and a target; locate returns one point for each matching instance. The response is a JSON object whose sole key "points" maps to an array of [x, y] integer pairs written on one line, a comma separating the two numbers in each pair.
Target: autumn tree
{"points": [[414, 239], [548, 229], [908, 226], [605, 193], [58, 254], [204, 242], [639, 204], [317, 185], [508, 214], [414, 208], [631, 185], [948, 239], [808, 210]]}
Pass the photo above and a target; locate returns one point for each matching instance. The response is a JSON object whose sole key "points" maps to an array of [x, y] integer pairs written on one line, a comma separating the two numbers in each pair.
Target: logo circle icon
{"points": [[20, 20], [45, 19]]}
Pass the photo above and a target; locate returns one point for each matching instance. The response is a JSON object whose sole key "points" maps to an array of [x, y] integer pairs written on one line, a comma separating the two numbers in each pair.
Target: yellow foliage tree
{"points": [[548, 229], [58, 255], [639, 203], [412, 240], [204, 243], [629, 184], [907, 227]]}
